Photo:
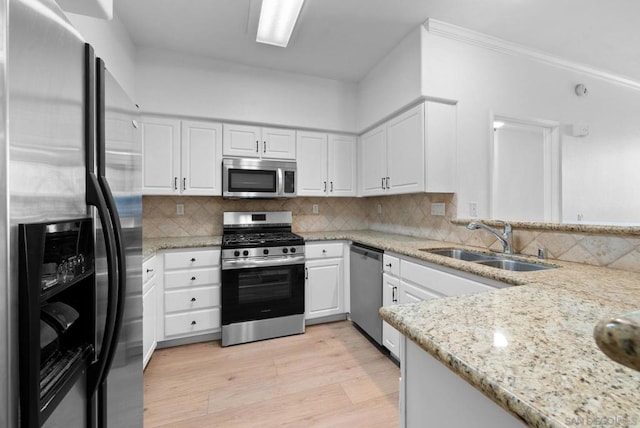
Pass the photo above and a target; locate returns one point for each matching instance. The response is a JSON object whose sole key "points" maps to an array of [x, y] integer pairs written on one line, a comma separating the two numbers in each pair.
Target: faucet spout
{"points": [[505, 237]]}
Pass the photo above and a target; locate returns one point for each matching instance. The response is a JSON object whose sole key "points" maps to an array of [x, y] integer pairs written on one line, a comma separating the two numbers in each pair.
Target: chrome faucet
{"points": [[505, 238]]}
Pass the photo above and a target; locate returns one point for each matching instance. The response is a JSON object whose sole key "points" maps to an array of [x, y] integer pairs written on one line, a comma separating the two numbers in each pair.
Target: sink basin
{"points": [[465, 255], [514, 265], [499, 262]]}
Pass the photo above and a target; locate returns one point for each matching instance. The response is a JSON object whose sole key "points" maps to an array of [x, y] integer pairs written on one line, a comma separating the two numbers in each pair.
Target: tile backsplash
{"points": [[403, 214]]}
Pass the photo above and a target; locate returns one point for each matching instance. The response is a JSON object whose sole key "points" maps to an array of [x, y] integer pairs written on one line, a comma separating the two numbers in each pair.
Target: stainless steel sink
{"points": [[466, 255], [514, 265], [495, 261]]}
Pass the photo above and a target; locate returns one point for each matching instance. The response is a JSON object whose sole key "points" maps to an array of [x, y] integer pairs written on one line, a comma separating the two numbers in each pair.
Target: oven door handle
{"points": [[266, 262]]}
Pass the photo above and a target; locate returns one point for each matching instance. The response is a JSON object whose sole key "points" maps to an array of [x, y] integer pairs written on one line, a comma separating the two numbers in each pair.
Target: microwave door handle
{"points": [[280, 181]]}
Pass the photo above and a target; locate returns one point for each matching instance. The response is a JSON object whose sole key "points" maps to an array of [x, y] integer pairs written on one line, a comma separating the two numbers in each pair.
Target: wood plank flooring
{"points": [[331, 376]]}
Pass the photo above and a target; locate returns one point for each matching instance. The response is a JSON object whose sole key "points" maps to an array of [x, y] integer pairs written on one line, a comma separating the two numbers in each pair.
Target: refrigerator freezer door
{"points": [[123, 155]]}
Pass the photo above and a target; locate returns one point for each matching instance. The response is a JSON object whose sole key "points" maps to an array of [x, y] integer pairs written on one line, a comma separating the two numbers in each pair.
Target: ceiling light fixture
{"points": [[277, 20]]}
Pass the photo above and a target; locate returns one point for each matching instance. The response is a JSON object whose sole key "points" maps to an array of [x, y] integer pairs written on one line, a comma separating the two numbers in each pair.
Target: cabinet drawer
{"points": [[440, 282], [191, 322], [191, 259], [191, 298], [192, 278], [324, 250], [148, 269], [391, 265]]}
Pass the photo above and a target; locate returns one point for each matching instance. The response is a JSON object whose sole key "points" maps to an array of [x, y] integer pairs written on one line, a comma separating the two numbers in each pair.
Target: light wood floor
{"points": [[330, 376]]}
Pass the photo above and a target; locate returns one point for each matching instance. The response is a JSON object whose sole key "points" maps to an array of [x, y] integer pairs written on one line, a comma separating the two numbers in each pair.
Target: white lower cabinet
{"points": [[407, 280], [430, 391], [190, 302], [324, 280], [149, 309], [390, 296]]}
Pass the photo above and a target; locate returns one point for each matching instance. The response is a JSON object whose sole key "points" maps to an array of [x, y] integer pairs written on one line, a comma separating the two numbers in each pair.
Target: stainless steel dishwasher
{"points": [[366, 289]]}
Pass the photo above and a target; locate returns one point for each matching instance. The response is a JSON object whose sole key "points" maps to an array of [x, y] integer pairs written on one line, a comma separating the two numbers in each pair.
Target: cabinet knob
{"points": [[149, 270], [389, 265], [193, 299], [324, 251], [193, 278], [193, 323], [193, 259]]}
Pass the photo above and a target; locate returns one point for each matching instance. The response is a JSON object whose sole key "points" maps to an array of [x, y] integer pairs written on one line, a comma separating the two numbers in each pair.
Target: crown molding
{"points": [[471, 37]]}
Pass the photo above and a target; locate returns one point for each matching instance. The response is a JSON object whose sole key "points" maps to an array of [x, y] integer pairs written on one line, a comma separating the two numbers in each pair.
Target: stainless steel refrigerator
{"points": [[55, 125]]}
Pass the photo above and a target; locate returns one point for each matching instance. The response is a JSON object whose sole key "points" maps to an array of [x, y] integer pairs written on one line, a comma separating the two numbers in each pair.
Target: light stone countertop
{"points": [[551, 373], [151, 245]]}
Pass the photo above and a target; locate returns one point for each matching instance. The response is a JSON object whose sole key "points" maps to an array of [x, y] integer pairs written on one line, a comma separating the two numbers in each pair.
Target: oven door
{"points": [[262, 292]]}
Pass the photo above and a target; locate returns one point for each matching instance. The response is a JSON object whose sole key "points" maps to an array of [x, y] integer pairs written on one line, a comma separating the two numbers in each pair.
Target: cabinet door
{"points": [[390, 295], [312, 164], [440, 146], [405, 152], [149, 321], [160, 156], [324, 288], [278, 143], [241, 140], [342, 165], [201, 159], [373, 162]]}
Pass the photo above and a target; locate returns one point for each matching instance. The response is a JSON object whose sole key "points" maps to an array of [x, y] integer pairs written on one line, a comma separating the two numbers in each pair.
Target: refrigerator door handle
{"points": [[120, 284], [95, 197]]}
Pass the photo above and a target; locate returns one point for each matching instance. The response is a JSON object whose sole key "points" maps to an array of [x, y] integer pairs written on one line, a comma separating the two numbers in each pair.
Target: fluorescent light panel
{"points": [[277, 20]]}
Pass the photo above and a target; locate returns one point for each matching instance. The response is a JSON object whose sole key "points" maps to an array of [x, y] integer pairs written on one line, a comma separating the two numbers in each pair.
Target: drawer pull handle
{"points": [[389, 265], [149, 270], [393, 295], [193, 323], [193, 299], [193, 259], [193, 278]]}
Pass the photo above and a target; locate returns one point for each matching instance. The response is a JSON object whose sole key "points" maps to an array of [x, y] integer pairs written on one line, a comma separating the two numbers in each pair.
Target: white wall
{"points": [[597, 171], [392, 84], [112, 43], [179, 84]]}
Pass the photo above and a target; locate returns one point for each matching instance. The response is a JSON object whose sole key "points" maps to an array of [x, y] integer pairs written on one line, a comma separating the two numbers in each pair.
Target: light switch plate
{"points": [[473, 209], [179, 209], [314, 208]]}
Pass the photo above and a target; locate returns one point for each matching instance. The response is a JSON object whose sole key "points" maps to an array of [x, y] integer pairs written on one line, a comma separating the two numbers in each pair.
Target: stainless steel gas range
{"points": [[262, 277]]}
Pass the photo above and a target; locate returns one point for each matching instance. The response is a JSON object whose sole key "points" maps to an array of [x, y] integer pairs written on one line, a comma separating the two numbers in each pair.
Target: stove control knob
{"points": [[265, 252], [245, 253], [293, 250], [284, 250], [236, 253]]}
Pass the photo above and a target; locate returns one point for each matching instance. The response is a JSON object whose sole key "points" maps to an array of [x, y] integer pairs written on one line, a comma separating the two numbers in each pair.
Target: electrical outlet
{"points": [[473, 209], [314, 208], [437, 208], [180, 209]]}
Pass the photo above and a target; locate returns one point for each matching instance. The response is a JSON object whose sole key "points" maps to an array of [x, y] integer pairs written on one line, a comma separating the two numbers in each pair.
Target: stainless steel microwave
{"points": [[256, 178]]}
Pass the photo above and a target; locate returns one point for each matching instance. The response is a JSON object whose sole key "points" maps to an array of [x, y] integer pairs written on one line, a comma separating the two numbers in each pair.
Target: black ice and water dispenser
{"points": [[56, 313]]}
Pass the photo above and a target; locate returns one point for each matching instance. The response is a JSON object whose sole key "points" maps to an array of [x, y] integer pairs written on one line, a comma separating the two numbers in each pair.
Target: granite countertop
{"points": [[151, 245], [529, 348]]}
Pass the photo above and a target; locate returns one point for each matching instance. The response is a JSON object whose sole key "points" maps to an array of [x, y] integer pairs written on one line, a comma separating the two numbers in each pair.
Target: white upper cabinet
{"points": [[160, 156], [373, 161], [258, 142], [201, 158], [412, 152], [326, 164], [312, 164], [181, 157], [342, 165], [405, 152]]}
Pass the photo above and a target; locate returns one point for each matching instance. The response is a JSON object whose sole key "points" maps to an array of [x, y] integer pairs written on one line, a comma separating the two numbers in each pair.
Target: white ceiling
{"points": [[343, 39]]}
